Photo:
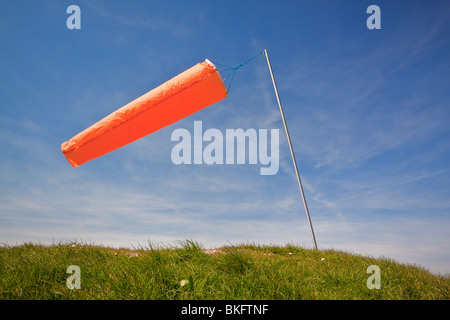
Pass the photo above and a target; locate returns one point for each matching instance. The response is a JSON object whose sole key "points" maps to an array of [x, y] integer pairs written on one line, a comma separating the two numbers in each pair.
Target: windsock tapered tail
{"points": [[183, 95]]}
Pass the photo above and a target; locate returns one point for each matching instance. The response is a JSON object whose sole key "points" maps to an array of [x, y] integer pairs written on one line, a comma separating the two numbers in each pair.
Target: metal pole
{"points": [[292, 151]]}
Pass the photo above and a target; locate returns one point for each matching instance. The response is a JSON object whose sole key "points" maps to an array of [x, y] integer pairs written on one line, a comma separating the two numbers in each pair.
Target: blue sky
{"points": [[368, 113]]}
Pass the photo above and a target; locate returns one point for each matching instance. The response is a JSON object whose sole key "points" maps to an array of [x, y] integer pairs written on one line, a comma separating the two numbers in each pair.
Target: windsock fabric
{"points": [[183, 95]]}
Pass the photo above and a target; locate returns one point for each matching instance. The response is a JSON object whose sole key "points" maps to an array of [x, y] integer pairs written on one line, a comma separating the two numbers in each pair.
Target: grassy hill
{"points": [[186, 271]]}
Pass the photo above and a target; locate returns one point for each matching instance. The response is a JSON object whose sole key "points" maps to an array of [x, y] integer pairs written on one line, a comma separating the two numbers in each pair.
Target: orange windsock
{"points": [[183, 95]]}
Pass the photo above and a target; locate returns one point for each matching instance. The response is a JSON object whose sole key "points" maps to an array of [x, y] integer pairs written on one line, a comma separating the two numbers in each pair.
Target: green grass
{"points": [[33, 271]]}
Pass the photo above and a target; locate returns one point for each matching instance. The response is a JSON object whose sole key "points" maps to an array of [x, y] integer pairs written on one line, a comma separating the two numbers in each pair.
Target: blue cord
{"points": [[232, 70]]}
